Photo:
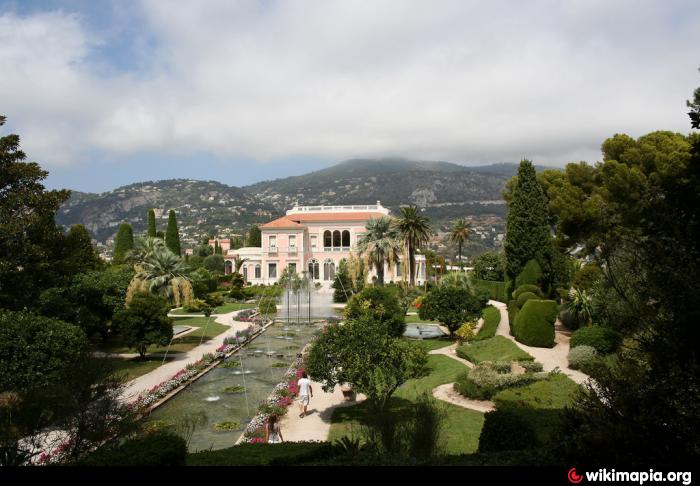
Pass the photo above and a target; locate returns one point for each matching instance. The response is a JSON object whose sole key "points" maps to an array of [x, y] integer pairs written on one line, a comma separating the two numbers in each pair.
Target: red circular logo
{"points": [[574, 477]]}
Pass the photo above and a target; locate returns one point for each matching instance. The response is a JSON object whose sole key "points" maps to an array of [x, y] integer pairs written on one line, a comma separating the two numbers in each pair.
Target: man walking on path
{"points": [[304, 391]]}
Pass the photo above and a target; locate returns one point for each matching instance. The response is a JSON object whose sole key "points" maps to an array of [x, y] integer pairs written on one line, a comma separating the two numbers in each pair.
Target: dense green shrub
{"points": [[484, 381], [160, 448], [214, 299], [452, 305], [534, 324], [531, 274], [524, 297], [586, 277], [196, 305], [581, 356], [382, 303], [496, 289], [527, 288], [603, 339], [506, 430]]}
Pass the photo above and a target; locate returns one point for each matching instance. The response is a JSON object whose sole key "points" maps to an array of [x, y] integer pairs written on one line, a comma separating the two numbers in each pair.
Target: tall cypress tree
{"points": [[172, 237], [254, 236], [527, 231], [151, 223], [123, 243]]}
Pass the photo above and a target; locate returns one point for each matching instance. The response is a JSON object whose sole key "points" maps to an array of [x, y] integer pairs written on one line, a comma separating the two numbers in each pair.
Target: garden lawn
{"points": [[222, 309], [180, 344], [497, 348], [461, 427], [435, 343], [134, 367], [492, 317]]}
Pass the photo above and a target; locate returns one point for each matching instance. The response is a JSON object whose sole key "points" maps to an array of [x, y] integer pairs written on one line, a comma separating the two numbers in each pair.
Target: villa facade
{"points": [[313, 240]]}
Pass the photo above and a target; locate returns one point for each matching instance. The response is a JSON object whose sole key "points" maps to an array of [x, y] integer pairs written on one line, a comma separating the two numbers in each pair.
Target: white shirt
{"points": [[304, 384]]}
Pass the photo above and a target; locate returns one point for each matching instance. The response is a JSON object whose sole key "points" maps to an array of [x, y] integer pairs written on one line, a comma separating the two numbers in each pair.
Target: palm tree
{"points": [[380, 244], [162, 273], [459, 234], [143, 248], [415, 231]]}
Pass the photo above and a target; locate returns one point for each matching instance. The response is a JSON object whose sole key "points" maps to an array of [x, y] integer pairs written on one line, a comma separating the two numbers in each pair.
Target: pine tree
{"points": [[172, 236], [123, 243], [527, 231], [151, 223]]}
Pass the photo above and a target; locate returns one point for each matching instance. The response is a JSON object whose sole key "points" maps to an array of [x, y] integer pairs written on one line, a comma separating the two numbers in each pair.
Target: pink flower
{"points": [[257, 440]]}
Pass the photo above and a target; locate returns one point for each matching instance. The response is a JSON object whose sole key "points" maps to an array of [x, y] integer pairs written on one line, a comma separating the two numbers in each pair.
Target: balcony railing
{"points": [[281, 249]]}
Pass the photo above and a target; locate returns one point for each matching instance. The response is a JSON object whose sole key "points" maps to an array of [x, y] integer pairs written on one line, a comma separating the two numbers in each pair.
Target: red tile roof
{"points": [[283, 222]]}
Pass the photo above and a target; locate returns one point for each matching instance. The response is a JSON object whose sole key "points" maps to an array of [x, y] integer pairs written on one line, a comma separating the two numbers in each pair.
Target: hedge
{"points": [[496, 289], [512, 314], [603, 339], [524, 297], [534, 324], [156, 449], [492, 318], [527, 288], [570, 320], [505, 430]]}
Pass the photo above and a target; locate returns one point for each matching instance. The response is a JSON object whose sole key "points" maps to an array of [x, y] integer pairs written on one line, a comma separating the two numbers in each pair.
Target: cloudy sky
{"points": [[105, 93]]}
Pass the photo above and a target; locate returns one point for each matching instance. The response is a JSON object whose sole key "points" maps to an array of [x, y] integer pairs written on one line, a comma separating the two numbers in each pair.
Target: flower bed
{"points": [[280, 399], [161, 390]]}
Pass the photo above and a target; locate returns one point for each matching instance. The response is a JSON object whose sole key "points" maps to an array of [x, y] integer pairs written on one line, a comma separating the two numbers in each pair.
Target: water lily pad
{"points": [[233, 389], [226, 426], [230, 364]]}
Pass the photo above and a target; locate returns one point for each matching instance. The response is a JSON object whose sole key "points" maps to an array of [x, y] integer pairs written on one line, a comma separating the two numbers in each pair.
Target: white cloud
{"points": [[450, 80]]}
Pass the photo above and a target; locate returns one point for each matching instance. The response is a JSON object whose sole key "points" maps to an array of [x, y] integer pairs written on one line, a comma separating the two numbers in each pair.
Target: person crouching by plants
{"points": [[273, 432]]}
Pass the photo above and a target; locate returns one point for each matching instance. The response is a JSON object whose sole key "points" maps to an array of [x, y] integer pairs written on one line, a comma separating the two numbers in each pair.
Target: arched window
{"points": [[228, 267], [328, 270], [257, 271], [327, 243], [314, 269], [336, 239], [245, 273], [346, 239]]}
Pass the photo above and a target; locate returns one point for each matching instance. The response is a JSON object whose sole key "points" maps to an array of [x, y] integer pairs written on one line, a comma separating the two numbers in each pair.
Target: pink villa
{"points": [[313, 240]]}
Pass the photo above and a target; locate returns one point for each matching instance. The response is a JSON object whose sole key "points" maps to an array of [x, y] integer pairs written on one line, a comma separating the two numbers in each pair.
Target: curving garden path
{"points": [[550, 358]]}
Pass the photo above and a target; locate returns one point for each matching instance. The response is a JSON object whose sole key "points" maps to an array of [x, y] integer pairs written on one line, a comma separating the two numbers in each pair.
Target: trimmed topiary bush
{"points": [[603, 339], [581, 356], [506, 430], [534, 324], [527, 288], [524, 297]]}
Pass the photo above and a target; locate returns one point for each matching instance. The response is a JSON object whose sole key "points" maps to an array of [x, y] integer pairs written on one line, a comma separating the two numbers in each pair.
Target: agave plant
{"points": [[162, 273], [580, 304]]}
